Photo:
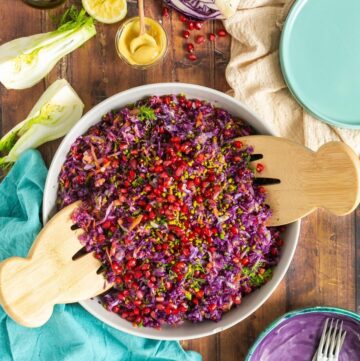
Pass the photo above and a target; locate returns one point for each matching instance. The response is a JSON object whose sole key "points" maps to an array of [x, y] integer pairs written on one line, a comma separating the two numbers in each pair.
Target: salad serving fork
{"points": [[299, 180]]}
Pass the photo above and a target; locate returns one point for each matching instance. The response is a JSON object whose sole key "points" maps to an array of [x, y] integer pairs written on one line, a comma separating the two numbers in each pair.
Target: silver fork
{"points": [[331, 341]]}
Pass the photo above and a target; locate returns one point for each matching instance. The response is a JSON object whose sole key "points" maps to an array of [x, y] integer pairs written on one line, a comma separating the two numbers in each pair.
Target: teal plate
{"points": [[320, 59]]}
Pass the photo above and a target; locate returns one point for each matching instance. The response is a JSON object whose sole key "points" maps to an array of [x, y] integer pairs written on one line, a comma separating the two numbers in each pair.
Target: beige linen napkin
{"points": [[255, 77]]}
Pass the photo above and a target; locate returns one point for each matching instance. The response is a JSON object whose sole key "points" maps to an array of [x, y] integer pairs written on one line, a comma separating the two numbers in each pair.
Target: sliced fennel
{"points": [[25, 61], [54, 114]]}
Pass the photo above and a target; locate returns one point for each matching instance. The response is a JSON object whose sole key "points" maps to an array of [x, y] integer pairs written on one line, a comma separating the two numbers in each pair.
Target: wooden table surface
{"points": [[324, 270]]}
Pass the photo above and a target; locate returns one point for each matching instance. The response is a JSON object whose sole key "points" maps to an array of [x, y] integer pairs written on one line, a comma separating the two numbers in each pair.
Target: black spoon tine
{"points": [[266, 181], [254, 157], [74, 227], [80, 253]]}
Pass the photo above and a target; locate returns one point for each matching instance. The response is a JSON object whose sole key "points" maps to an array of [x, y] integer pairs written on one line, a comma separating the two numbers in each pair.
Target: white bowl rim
{"points": [[110, 103]]}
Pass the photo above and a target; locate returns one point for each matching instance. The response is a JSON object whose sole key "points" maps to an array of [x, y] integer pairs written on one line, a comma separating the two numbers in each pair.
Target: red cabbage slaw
{"points": [[171, 210]]}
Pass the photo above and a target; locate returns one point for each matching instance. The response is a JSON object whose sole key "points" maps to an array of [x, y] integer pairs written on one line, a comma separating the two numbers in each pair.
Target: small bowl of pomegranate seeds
{"points": [[171, 210]]}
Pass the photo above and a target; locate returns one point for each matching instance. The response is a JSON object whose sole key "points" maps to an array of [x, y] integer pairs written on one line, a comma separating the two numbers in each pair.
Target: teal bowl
{"points": [[296, 335]]}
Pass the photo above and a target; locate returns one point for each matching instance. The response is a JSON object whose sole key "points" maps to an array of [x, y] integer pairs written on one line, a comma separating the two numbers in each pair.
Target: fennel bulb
{"points": [[54, 114], [25, 61]]}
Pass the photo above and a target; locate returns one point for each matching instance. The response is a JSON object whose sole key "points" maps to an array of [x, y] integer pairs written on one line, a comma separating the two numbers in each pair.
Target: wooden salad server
{"points": [[298, 181], [30, 287]]}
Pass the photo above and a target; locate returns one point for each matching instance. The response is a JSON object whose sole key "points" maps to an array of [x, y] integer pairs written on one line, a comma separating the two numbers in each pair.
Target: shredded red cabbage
{"points": [[170, 209], [196, 9]]}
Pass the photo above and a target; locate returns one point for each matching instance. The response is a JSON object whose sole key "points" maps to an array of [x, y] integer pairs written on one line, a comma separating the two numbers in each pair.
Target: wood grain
{"points": [[323, 270]]}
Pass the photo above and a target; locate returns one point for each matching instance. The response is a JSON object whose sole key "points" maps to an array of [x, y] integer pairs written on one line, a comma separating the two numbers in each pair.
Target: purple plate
{"points": [[296, 335]]}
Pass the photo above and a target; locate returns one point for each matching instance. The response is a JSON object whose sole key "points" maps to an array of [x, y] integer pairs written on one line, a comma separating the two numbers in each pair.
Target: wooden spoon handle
{"points": [[30, 287], [335, 180], [24, 295], [142, 17]]}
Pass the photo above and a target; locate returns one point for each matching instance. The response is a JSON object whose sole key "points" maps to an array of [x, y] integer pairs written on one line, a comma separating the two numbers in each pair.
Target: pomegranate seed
{"points": [[198, 25], [145, 266], [197, 181], [211, 177], [106, 225], [199, 39], [212, 37], [180, 278], [234, 230], [198, 103], [160, 307], [222, 32], [212, 307], [118, 280], [165, 12], [190, 25], [115, 309], [192, 57], [168, 310], [260, 167], [199, 199], [146, 310], [171, 198], [182, 18], [136, 311], [245, 261], [131, 263], [262, 190], [186, 34], [190, 48], [204, 184], [152, 215], [125, 315], [237, 144], [200, 157], [180, 265], [195, 301], [158, 169], [236, 260], [212, 249], [200, 294], [175, 140], [237, 300], [116, 267]]}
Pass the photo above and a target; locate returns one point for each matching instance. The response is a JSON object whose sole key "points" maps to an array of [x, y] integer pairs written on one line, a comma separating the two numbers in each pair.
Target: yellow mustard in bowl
{"points": [[141, 51]]}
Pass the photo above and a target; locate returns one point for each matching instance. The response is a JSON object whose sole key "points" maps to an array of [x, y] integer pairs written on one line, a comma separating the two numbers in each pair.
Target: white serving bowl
{"points": [[187, 330]]}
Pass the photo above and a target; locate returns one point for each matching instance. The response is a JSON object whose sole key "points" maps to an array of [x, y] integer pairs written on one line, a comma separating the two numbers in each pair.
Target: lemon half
{"points": [[106, 11]]}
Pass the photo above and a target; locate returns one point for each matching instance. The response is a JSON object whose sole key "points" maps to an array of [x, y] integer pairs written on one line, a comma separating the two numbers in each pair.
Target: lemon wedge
{"points": [[106, 11]]}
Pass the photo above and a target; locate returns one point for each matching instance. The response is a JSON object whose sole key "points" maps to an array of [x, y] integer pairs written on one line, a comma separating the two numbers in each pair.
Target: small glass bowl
{"points": [[121, 56]]}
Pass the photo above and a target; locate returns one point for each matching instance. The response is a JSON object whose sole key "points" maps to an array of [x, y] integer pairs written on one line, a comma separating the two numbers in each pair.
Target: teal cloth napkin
{"points": [[72, 334]]}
